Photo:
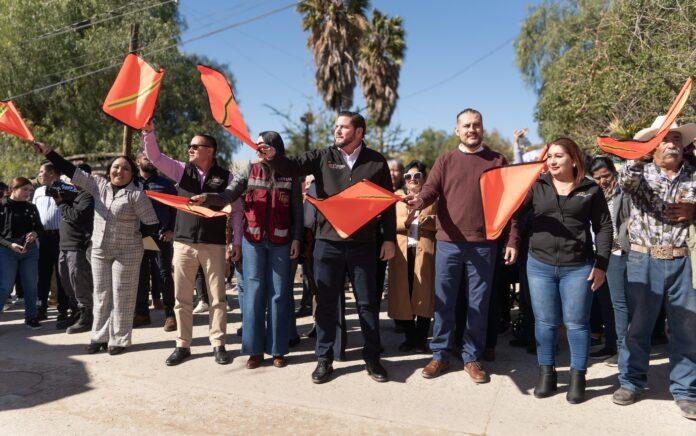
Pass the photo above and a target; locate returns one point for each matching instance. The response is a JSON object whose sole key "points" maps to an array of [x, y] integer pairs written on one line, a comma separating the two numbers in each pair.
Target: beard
{"points": [[148, 168], [344, 142]]}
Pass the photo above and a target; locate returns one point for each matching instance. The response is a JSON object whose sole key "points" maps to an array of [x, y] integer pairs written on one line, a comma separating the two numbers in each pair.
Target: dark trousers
{"points": [[415, 330], [602, 300], [156, 276], [332, 261], [201, 288], [76, 276], [49, 249]]}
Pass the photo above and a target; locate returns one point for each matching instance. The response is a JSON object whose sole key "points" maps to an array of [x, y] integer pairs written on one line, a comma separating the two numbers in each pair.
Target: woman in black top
{"points": [[19, 251], [563, 266]]}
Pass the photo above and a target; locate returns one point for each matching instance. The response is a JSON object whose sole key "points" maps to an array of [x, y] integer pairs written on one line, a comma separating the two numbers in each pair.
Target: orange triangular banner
{"points": [[629, 149], [503, 190], [222, 104], [12, 123], [132, 97], [182, 204], [355, 206]]}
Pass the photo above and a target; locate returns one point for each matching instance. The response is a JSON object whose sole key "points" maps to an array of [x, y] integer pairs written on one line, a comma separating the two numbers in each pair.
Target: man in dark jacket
{"points": [[335, 168], [156, 268], [74, 271]]}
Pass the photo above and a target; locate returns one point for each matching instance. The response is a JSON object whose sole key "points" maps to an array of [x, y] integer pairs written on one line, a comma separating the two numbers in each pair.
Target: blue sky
{"points": [[272, 65]]}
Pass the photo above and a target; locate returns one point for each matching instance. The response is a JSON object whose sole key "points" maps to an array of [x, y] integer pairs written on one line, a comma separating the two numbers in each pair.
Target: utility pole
{"points": [[127, 130], [307, 119]]}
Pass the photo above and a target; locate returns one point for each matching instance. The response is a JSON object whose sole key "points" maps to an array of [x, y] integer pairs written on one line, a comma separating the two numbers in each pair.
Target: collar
{"points": [[355, 152], [465, 151]]}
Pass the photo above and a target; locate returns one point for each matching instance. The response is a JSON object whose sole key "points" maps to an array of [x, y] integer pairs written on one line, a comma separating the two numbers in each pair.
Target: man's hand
{"points": [[265, 152], [518, 133], [41, 148], [167, 236], [17, 248], [679, 211], [387, 250], [58, 199], [597, 277], [149, 127], [413, 202], [510, 255], [236, 253], [294, 249], [199, 199]]}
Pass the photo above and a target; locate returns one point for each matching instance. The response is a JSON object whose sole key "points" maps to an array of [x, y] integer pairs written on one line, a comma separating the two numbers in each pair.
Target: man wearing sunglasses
{"points": [[198, 241]]}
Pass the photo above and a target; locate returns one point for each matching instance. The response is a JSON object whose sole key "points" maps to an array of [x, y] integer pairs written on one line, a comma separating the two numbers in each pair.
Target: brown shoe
{"points": [[157, 304], [279, 361], [141, 320], [474, 370], [254, 361], [434, 369], [170, 324]]}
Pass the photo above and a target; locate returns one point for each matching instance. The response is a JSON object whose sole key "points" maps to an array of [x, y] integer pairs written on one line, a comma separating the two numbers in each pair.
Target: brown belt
{"points": [[661, 251]]}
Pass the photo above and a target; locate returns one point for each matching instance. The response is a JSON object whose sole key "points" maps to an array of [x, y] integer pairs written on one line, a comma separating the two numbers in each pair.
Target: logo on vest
{"points": [[216, 181], [335, 166]]}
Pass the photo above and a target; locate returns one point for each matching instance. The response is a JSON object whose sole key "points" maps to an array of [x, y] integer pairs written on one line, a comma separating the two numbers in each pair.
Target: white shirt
{"points": [[48, 210], [412, 232], [465, 150], [351, 158]]}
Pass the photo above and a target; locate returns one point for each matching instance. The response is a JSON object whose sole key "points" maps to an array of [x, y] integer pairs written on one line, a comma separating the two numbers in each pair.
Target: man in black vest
{"points": [[198, 241], [335, 168]]}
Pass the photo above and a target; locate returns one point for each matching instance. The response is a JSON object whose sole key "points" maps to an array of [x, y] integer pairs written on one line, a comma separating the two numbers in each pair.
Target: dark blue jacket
{"points": [[165, 214]]}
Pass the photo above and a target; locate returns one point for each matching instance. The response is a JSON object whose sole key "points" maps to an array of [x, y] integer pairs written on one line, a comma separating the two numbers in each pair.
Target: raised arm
{"points": [[433, 186], [172, 168], [76, 175], [633, 183], [295, 166]]}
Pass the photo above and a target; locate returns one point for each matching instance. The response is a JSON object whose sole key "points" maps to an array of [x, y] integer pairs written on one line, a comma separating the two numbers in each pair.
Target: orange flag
{"points": [[503, 190], [222, 104], [355, 206], [132, 97], [12, 123], [628, 149], [182, 204]]}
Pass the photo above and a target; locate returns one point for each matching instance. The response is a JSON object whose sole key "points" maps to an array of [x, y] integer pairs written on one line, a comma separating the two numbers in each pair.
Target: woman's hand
{"points": [[30, 237], [17, 248], [597, 277], [294, 249], [41, 148], [409, 219]]}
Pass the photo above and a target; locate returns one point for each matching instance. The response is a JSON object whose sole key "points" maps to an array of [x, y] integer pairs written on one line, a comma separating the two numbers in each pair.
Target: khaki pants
{"points": [[187, 258]]}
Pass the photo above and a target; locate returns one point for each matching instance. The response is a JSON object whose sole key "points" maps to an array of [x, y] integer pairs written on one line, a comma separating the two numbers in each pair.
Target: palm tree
{"points": [[335, 29], [381, 55]]}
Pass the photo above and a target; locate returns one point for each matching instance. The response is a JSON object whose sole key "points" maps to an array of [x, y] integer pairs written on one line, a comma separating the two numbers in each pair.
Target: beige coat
{"points": [[422, 300]]}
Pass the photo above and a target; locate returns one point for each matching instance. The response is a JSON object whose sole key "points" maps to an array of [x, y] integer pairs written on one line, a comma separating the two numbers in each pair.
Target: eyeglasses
{"points": [[195, 146], [414, 176]]}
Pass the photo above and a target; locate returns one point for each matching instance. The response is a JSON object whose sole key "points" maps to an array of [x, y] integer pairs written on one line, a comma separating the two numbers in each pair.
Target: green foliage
{"points": [[606, 67], [69, 117]]}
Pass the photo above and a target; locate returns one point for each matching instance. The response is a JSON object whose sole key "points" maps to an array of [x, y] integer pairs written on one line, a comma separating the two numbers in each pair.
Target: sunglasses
{"points": [[414, 176], [195, 146]]}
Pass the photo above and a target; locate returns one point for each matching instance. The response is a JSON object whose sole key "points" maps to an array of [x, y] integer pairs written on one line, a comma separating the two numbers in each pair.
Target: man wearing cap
{"points": [[663, 193], [198, 241]]}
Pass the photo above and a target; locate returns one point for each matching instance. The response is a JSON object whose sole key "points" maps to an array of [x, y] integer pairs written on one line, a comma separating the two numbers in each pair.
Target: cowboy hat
{"points": [[688, 131]]}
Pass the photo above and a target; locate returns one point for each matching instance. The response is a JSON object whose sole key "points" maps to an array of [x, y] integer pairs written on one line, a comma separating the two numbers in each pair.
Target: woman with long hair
{"points": [[122, 216], [20, 226], [563, 267]]}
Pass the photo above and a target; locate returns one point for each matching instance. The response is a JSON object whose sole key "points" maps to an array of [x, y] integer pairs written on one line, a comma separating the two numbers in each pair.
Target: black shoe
{"points": [[547, 383], [62, 315], [406, 346], [594, 342], [116, 350], [294, 342], [322, 373], [312, 333], [42, 314], [376, 371], [95, 347], [221, 356], [624, 397], [239, 332], [179, 355], [303, 311], [603, 354], [67, 322], [83, 323], [32, 324], [576, 388]]}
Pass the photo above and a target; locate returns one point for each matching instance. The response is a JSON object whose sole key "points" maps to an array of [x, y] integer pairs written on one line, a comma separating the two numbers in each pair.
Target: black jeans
{"points": [[201, 287], [332, 260], [156, 269], [49, 250]]}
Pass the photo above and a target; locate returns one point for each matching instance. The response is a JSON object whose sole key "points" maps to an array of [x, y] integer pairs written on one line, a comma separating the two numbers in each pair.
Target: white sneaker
{"points": [[202, 307]]}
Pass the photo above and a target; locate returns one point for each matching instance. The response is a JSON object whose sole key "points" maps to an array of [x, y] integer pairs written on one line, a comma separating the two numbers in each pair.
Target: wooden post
{"points": [[128, 131]]}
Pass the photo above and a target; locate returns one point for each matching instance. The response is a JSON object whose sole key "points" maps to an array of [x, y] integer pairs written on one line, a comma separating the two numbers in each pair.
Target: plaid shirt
{"points": [[651, 190]]}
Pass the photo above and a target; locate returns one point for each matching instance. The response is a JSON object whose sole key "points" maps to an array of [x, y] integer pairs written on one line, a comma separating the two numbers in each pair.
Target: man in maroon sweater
{"points": [[464, 259]]}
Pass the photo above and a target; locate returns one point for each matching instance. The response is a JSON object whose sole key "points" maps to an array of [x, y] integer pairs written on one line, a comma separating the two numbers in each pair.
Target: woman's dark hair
{"points": [[19, 182], [274, 140], [420, 166], [131, 163], [599, 162]]}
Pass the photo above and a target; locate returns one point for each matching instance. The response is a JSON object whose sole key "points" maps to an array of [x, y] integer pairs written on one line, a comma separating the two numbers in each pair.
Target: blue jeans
{"points": [[650, 283], [617, 281], [560, 292], [265, 320], [462, 268], [28, 266], [291, 301]]}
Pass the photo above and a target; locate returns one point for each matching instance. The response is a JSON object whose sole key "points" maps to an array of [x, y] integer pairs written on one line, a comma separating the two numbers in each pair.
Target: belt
{"points": [[661, 251]]}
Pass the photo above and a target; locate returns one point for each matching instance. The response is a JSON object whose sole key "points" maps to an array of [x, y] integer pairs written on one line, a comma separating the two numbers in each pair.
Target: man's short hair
{"points": [[469, 111], [3, 187], [210, 139], [48, 166], [85, 167], [356, 120]]}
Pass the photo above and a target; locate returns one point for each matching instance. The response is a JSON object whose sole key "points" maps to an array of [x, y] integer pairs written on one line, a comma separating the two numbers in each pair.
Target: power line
{"points": [[462, 71], [196, 38]]}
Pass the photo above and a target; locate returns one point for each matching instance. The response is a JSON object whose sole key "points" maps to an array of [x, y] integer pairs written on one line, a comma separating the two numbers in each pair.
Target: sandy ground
{"points": [[49, 386]]}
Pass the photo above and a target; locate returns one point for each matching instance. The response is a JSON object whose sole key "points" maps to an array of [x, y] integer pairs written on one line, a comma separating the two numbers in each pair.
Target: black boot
{"points": [[576, 389], [547, 383], [69, 320], [83, 323]]}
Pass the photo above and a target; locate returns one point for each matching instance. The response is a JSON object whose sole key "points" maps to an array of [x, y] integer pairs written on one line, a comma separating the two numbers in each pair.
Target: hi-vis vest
{"points": [[267, 206]]}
